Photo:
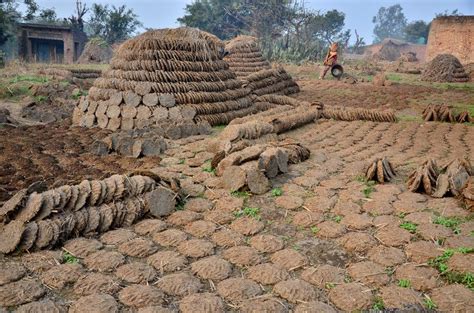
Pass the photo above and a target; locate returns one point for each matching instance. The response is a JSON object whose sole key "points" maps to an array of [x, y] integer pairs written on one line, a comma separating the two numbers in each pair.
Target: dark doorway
{"points": [[47, 51]]}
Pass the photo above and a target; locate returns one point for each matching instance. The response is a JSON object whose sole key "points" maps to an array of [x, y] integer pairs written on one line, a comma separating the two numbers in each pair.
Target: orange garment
{"points": [[331, 57]]}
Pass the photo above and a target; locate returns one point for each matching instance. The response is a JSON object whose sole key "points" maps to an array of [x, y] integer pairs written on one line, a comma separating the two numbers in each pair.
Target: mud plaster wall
{"points": [[453, 35]]}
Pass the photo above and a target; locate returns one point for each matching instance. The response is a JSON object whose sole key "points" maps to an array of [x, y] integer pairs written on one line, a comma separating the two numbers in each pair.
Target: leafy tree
{"points": [[113, 24], [389, 23], [417, 32], [9, 15], [285, 28], [219, 17]]}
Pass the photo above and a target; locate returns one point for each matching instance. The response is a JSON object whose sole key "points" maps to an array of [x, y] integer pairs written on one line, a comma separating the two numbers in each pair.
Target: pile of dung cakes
{"points": [[163, 78], [32, 220], [445, 68], [246, 60], [245, 57]]}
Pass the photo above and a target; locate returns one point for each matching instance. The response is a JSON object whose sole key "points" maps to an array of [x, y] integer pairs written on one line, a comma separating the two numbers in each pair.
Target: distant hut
{"points": [[96, 51]]}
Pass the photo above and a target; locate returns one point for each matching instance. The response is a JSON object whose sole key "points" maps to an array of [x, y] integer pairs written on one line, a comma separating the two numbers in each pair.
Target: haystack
{"points": [[445, 68], [96, 51], [162, 78], [246, 60]]}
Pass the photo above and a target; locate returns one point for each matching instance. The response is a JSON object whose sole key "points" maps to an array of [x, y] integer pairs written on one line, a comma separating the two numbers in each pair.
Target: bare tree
{"points": [[77, 20]]}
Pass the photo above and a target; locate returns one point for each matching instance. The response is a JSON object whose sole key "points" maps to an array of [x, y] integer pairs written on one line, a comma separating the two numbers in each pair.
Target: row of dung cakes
{"points": [[246, 60], [168, 74]]}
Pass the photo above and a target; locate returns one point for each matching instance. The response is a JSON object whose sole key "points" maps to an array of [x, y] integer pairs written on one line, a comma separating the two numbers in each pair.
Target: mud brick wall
{"points": [[453, 35]]}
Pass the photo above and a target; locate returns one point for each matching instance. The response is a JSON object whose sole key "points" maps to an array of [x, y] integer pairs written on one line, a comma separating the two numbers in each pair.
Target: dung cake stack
{"points": [[445, 68], [164, 78], [246, 60], [245, 57]]}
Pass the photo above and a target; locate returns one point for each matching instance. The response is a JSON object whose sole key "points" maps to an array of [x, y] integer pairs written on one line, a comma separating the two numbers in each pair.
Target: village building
{"points": [[50, 43]]}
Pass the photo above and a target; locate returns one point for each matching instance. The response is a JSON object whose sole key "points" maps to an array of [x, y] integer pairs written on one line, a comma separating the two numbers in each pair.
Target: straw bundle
{"points": [[168, 72]]}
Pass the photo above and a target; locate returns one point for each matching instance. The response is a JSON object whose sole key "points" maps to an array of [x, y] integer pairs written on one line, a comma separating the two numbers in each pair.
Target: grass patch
{"points": [[28, 78], [369, 185], [276, 192], [40, 99], [369, 188], [208, 169], [69, 258], [250, 212], [337, 218], [78, 94], [378, 304], [440, 263], [404, 283], [449, 222], [314, 229], [411, 227], [219, 127], [394, 77], [240, 194], [429, 304], [409, 118]]}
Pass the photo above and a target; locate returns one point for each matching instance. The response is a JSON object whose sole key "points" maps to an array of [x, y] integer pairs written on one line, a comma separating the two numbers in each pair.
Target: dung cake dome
{"points": [[445, 68], [162, 76], [247, 61]]}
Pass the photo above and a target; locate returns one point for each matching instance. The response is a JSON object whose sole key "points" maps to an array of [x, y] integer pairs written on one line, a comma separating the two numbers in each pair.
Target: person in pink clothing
{"points": [[330, 60]]}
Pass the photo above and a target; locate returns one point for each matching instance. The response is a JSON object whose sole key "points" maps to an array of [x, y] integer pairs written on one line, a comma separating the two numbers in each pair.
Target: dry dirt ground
{"points": [[322, 240]]}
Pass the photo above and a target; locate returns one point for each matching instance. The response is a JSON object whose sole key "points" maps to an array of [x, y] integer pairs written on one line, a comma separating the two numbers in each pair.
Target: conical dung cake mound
{"points": [[445, 68], [163, 76], [245, 57], [247, 62]]}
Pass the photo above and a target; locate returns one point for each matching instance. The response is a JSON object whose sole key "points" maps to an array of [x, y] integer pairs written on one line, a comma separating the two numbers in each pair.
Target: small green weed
{"points": [[429, 304], [69, 258], [78, 94], [276, 192], [337, 218], [208, 169], [240, 194], [181, 161], [250, 212], [378, 304], [449, 222], [39, 99], [329, 285], [369, 188], [411, 227], [404, 283], [314, 229]]}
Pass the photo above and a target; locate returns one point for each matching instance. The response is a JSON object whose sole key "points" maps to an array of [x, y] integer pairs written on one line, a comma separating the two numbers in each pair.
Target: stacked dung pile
{"points": [[380, 170], [246, 60], [162, 78], [96, 51], [272, 81], [445, 68], [251, 167], [85, 73], [277, 120], [468, 194], [450, 179], [245, 57], [39, 220], [354, 114], [443, 113]]}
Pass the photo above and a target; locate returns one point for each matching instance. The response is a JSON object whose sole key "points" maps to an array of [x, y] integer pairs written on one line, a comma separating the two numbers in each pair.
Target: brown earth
{"points": [[323, 244]]}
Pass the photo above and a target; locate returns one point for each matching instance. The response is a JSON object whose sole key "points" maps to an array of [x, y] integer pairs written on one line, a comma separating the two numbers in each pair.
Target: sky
{"points": [[359, 13]]}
